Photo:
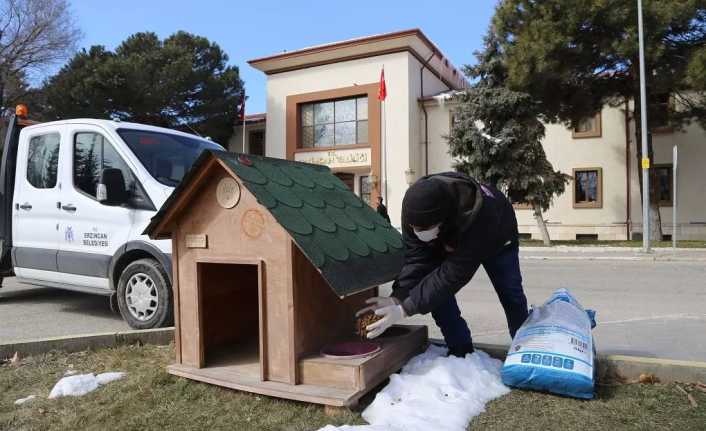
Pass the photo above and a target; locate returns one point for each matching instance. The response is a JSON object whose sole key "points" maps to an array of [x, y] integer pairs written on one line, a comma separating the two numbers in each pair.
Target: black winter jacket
{"points": [[481, 224]]}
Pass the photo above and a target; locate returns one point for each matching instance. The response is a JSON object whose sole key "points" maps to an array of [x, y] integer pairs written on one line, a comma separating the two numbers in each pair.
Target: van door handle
{"points": [[26, 206], [68, 207]]}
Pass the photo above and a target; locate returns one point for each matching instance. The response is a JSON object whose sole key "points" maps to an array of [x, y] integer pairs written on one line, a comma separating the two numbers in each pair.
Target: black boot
{"points": [[460, 351]]}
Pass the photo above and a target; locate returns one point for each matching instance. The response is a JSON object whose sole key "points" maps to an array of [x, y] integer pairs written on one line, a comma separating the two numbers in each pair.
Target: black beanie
{"points": [[426, 203]]}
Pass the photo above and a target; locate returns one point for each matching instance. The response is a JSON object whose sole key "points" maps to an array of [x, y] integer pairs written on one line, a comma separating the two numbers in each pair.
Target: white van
{"points": [[76, 196]]}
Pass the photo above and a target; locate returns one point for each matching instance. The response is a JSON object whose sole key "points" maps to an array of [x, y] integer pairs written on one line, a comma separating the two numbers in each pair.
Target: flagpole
{"points": [[384, 150], [241, 113], [383, 98]]}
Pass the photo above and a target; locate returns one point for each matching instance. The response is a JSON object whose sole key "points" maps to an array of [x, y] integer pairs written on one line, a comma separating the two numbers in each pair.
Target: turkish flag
{"points": [[382, 89], [241, 108]]}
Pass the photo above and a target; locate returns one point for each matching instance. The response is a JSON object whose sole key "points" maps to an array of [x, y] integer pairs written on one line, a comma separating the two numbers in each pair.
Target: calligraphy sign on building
{"points": [[352, 158]]}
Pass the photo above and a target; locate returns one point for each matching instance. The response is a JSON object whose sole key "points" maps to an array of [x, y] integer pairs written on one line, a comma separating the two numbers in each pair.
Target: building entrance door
{"points": [[348, 179]]}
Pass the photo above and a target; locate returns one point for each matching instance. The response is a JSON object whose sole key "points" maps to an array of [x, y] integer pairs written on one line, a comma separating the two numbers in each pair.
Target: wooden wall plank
{"points": [[321, 317], [292, 310], [329, 374], [175, 298]]}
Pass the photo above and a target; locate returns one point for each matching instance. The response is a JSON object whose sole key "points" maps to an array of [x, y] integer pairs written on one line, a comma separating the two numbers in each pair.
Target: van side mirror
{"points": [[111, 187]]}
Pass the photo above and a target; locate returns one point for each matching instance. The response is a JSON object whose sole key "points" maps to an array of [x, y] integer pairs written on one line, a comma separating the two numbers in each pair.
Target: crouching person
{"points": [[451, 225]]}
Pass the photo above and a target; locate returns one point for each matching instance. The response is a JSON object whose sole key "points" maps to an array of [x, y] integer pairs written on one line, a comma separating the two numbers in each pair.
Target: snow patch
{"points": [[25, 399], [105, 378], [442, 98], [480, 127], [81, 384], [434, 392]]}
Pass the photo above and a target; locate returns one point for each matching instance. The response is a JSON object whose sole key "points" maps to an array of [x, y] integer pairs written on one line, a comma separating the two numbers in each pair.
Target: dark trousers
{"points": [[504, 272]]}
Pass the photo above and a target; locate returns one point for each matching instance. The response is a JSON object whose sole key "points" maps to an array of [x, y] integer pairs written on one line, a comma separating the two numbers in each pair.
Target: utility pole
{"points": [[643, 127], [674, 196]]}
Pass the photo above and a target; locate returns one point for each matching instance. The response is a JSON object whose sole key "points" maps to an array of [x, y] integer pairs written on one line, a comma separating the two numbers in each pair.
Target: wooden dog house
{"points": [[272, 258]]}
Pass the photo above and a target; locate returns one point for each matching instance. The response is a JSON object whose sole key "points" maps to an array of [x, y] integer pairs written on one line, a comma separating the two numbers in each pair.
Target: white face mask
{"points": [[427, 235]]}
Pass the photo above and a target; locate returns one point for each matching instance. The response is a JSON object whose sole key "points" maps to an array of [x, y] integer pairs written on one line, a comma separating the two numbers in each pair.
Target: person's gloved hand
{"points": [[390, 310], [377, 303]]}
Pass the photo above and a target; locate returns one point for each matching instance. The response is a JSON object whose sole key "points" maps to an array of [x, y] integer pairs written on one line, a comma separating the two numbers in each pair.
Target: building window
{"points": [[366, 189], [334, 122], [588, 188], [256, 142], [658, 113], [589, 127], [663, 183]]}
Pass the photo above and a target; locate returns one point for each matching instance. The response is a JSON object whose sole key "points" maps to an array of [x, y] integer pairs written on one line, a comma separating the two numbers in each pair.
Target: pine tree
{"points": [[182, 82], [496, 138]]}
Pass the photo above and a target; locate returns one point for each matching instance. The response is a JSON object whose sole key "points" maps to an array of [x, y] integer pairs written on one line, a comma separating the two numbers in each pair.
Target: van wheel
{"points": [[144, 295]]}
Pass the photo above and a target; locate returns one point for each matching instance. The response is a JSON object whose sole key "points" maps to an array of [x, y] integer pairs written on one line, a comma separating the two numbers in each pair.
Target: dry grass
{"points": [[150, 399], [621, 407], [147, 399]]}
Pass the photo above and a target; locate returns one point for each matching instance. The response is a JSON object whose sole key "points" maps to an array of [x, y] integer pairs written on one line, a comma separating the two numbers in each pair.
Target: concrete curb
{"points": [[612, 253], [605, 249], [79, 343], [626, 368], [647, 258], [609, 367], [667, 370]]}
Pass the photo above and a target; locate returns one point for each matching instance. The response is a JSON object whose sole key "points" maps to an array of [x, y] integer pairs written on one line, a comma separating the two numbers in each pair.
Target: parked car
{"points": [[75, 198]]}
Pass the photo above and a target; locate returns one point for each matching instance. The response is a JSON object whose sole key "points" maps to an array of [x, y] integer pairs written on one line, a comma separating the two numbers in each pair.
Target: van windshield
{"points": [[166, 156]]}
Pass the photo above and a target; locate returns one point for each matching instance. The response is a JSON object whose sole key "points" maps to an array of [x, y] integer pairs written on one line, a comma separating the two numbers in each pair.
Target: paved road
{"points": [[655, 309], [30, 312]]}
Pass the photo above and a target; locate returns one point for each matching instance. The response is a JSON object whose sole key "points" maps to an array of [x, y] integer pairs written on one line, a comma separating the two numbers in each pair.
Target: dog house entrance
{"points": [[229, 316]]}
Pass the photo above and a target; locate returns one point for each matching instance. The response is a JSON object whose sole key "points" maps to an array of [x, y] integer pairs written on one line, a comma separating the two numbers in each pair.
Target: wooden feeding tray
{"points": [[360, 374], [271, 260]]}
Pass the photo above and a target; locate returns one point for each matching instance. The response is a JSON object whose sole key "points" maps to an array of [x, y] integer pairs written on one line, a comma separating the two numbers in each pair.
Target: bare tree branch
{"points": [[34, 34]]}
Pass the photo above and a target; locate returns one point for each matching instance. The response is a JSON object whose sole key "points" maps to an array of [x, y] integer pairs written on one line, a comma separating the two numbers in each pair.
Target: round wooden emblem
{"points": [[253, 223], [228, 193]]}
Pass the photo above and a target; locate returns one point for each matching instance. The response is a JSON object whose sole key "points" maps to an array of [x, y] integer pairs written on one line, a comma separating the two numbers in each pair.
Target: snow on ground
{"points": [[25, 399], [105, 378], [434, 392], [81, 384]]}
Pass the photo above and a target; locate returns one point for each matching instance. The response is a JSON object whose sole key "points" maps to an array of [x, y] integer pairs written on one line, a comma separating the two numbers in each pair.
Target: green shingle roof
{"points": [[353, 247]]}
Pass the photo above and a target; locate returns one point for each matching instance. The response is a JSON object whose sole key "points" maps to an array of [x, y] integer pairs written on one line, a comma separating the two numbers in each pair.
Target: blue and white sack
{"points": [[553, 350]]}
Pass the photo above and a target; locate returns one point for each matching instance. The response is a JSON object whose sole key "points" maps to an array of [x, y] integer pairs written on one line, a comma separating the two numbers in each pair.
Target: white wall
{"points": [[607, 152], [432, 85], [439, 127], [395, 121], [567, 153], [329, 77], [691, 189]]}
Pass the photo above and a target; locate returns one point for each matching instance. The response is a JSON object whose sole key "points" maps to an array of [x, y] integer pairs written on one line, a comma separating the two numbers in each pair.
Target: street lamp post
{"points": [[643, 125]]}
